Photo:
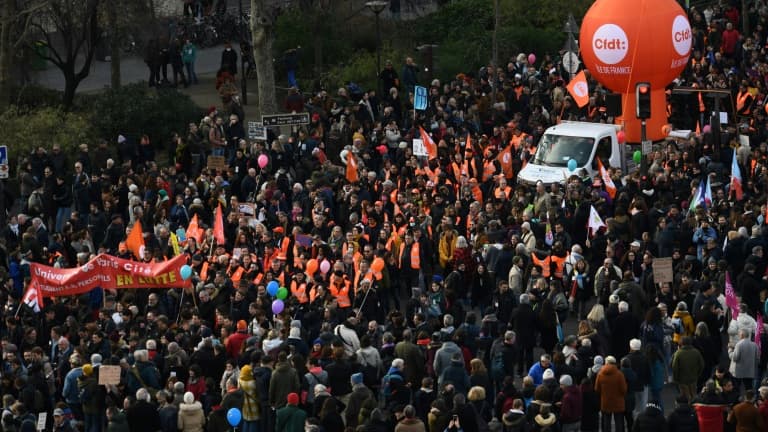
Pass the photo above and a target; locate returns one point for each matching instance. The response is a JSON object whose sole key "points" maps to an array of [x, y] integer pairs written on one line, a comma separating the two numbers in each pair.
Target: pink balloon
{"points": [[325, 266], [263, 161], [621, 137], [706, 129], [531, 58]]}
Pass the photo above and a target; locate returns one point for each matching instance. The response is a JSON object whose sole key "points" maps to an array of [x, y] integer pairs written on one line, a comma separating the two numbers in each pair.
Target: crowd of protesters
{"points": [[423, 295]]}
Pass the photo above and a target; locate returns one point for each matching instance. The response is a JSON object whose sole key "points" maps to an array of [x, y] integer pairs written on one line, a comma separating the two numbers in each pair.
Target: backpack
{"points": [[677, 325]]}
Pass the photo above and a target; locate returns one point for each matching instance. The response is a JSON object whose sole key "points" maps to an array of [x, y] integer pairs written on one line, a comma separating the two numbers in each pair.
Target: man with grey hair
{"points": [[143, 373], [143, 415], [744, 356], [625, 326]]}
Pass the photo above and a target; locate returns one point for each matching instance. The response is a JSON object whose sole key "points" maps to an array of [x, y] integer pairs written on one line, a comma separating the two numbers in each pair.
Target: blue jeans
{"points": [[62, 216], [292, 78], [218, 151], [250, 426], [191, 75]]}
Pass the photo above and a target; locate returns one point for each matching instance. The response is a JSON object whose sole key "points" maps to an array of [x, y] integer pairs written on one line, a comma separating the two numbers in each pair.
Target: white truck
{"points": [[581, 141]]}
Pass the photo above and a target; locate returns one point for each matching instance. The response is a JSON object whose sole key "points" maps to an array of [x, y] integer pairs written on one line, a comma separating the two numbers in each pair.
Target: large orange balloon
{"points": [[647, 41], [312, 266]]}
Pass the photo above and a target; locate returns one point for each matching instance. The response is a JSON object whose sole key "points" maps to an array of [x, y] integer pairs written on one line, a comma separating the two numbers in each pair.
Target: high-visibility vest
{"points": [[415, 256], [489, 169], [259, 277], [340, 290], [236, 275], [505, 160], [545, 264], [299, 291], [741, 103], [312, 294], [559, 263]]}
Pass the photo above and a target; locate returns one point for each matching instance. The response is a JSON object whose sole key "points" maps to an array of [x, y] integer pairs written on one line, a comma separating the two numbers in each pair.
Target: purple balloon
{"points": [[277, 306]]}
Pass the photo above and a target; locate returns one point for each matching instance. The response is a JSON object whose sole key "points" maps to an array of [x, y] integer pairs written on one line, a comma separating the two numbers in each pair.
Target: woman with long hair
{"points": [[652, 330], [479, 377], [547, 323], [330, 418]]}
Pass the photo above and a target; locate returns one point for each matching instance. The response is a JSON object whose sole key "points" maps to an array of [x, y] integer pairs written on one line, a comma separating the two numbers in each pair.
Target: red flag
{"points": [[579, 89], [351, 173], [135, 241], [218, 226], [193, 230], [33, 298], [759, 331], [428, 143]]}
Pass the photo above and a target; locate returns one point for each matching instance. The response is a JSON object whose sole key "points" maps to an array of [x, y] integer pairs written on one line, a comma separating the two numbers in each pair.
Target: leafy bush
{"points": [[24, 130], [136, 109]]}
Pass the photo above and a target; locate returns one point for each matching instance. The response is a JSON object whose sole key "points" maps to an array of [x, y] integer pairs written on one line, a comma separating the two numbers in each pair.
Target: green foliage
{"points": [[136, 109], [24, 130], [360, 68]]}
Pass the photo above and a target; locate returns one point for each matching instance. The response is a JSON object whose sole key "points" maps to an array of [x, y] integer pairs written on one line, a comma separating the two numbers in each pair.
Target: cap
{"points": [[293, 399], [548, 374], [566, 380], [278, 230], [635, 243], [242, 325], [87, 369], [356, 378], [635, 345], [58, 412], [610, 360]]}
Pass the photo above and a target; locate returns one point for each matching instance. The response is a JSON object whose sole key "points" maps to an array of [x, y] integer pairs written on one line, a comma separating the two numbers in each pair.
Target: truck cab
{"points": [[580, 141]]}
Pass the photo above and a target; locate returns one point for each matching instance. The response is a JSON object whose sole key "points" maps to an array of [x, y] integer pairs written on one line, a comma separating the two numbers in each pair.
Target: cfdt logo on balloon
{"points": [[681, 35], [610, 44]]}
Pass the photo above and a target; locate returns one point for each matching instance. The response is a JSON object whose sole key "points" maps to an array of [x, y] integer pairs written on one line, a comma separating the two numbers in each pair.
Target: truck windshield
{"points": [[557, 150]]}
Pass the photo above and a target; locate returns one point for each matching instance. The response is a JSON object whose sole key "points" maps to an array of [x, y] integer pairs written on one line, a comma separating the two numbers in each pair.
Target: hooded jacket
{"points": [[191, 417], [570, 410], [284, 380]]}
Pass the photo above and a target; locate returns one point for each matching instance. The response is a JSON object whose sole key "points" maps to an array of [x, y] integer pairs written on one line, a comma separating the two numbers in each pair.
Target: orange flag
{"points": [[218, 226], [428, 143], [193, 230], [579, 89], [351, 173], [135, 241]]}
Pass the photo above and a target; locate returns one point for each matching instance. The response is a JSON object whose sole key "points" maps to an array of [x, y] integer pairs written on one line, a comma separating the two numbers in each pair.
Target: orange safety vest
{"points": [[257, 280], [506, 191], [340, 291], [559, 263], [741, 100], [489, 169], [545, 264], [300, 292], [505, 160], [415, 256], [236, 275]]}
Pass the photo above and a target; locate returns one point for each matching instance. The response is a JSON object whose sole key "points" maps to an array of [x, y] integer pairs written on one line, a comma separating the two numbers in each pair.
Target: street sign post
{"points": [[285, 119]]}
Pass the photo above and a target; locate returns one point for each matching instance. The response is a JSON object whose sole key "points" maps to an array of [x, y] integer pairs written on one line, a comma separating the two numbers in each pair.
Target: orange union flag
{"points": [[579, 89]]}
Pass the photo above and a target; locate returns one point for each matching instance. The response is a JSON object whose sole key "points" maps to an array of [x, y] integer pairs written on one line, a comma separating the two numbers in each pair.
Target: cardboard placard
{"points": [[218, 163], [109, 375], [662, 270], [42, 418]]}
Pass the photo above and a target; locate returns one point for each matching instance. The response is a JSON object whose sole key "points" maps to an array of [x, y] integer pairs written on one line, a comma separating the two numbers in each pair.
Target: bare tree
{"points": [[71, 31], [14, 29], [263, 17]]}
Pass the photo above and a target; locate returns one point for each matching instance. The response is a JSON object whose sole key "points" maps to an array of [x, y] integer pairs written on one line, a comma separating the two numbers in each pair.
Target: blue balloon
{"points": [[272, 288], [234, 416], [186, 272], [572, 165]]}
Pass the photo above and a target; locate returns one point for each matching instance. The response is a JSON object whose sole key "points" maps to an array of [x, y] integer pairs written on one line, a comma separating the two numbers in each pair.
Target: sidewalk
{"points": [[134, 70]]}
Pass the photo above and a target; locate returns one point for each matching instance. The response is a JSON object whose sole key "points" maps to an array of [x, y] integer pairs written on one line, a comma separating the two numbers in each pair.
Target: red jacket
{"points": [[234, 344]]}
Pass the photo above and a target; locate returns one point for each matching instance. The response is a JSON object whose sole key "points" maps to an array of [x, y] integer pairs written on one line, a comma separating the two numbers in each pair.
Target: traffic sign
{"points": [[571, 62], [256, 131], [647, 147], [285, 119], [420, 98]]}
